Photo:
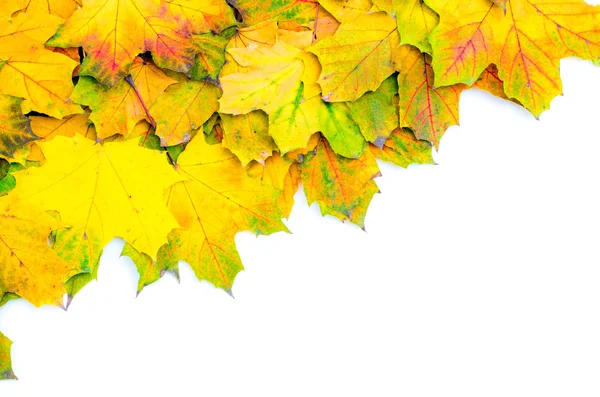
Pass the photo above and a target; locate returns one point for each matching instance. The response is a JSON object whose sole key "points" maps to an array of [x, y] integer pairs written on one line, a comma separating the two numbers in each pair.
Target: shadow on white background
{"points": [[477, 277]]}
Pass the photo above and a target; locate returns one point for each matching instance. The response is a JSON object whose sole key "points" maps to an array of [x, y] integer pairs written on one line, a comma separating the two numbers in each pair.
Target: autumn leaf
{"points": [[117, 109], [281, 173], [247, 136], [375, 112], [525, 40], [15, 129], [6, 371], [215, 200], [203, 16], [114, 32], [101, 191], [357, 58], [271, 79], [415, 21], [342, 187], [254, 11], [30, 71], [211, 55], [30, 268], [60, 8], [403, 149], [426, 110], [184, 107], [176, 124]]}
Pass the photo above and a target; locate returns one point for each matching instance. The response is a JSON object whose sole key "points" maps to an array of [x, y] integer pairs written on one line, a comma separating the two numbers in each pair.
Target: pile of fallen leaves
{"points": [[175, 124]]}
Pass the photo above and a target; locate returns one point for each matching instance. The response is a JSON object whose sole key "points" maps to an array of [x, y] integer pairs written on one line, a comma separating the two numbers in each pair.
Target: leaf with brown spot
{"points": [[15, 129], [403, 149]]}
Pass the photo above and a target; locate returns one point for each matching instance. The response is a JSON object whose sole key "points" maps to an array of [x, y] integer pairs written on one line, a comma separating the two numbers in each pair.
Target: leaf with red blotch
{"points": [[426, 110], [113, 33], [526, 40]]}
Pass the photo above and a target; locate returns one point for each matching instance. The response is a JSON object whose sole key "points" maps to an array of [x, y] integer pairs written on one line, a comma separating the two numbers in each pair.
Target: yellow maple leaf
{"points": [[117, 109], [61, 8], [28, 266], [203, 15], [357, 58], [28, 70], [271, 78], [114, 32], [347, 10], [261, 34], [215, 200], [247, 136], [342, 187], [102, 191], [525, 40], [415, 22], [281, 173], [403, 149], [426, 110], [184, 107], [46, 128]]}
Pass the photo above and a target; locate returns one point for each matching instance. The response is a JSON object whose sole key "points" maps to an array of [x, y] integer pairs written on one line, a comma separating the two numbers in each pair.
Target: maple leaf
{"points": [[342, 187], [184, 107], [193, 120], [114, 32], [347, 10], [46, 128], [403, 149], [271, 78], [15, 129], [30, 71], [254, 11], [203, 15], [282, 174], [375, 112], [525, 40], [6, 371], [426, 110], [211, 55], [215, 200], [415, 21], [117, 109], [247, 136], [101, 191], [261, 34], [357, 58], [60, 8], [150, 270], [30, 268]]}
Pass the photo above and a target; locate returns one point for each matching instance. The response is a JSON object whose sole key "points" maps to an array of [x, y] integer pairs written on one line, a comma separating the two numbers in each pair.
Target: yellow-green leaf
{"points": [[358, 57]]}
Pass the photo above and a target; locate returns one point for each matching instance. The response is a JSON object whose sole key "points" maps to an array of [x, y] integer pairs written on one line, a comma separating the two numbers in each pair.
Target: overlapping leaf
{"points": [[176, 124]]}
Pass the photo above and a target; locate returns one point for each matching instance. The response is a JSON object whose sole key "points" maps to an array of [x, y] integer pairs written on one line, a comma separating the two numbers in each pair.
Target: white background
{"points": [[477, 277]]}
